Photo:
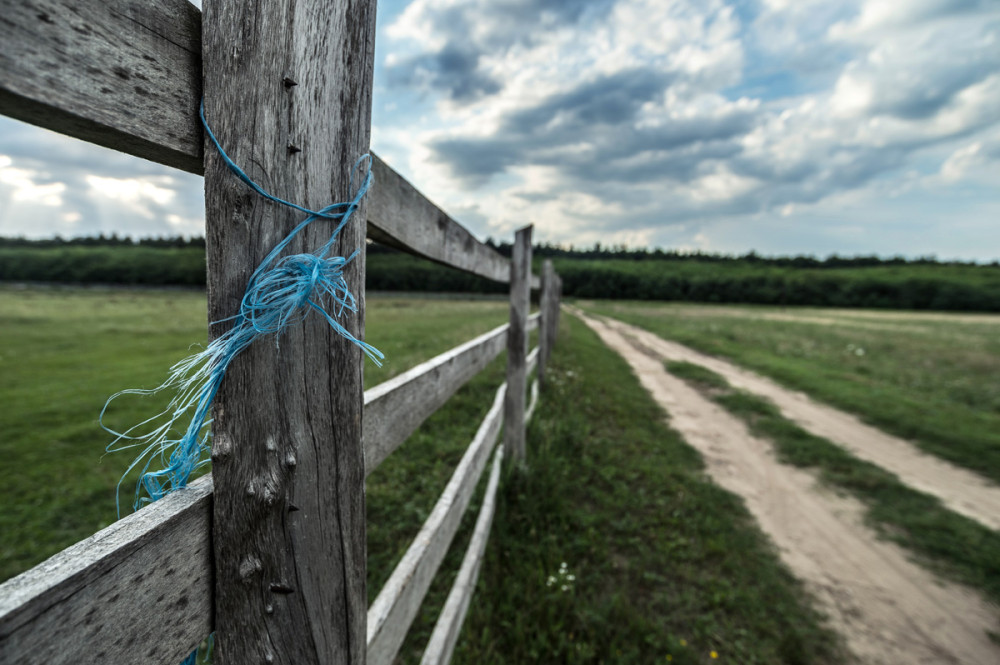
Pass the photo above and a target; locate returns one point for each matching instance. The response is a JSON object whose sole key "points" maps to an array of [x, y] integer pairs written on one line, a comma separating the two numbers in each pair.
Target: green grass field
{"points": [[663, 563], [63, 352], [930, 378]]}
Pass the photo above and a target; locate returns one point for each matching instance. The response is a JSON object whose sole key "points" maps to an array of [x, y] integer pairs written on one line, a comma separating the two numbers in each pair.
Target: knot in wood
{"points": [[249, 567], [222, 447]]}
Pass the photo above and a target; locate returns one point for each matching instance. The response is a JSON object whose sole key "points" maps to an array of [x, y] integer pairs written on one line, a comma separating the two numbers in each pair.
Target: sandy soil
{"points": [[888, 609], [962, 491], [909, 322], [887, 315]]}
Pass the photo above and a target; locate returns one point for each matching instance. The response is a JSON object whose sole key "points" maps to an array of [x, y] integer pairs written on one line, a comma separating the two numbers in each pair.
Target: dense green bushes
{"points": [[127, 264], [594, 273], [965, 288]]}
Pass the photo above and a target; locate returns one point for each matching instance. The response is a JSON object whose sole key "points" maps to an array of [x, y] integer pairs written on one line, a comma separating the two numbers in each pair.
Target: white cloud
{"points": [[619, 118], [130, 190], [23, 185]]}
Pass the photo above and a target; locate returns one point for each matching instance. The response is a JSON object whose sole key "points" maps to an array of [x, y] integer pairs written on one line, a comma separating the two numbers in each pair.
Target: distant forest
{"points": [[596, 272]]}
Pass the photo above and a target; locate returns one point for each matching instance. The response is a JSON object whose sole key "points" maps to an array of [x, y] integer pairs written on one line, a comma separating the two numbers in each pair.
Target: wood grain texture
{"points": [[288, 461], [404, 218], [391, 614], [548, 308], [138, 591], [127, 75], [395, 408], [517, 344], [441, 646], [123, 74], [557, 308]]}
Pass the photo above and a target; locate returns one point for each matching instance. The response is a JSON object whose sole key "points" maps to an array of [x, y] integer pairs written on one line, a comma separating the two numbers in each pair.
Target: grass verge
{"points": [[613, 546], [947, 542]]}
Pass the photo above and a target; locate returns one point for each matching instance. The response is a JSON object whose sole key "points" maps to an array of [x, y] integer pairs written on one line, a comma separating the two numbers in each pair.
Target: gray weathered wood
{"points": [[533, 322], [138, 591], [557, 308], [119, 73], [517, 344], [395, 408], [404, 218], [391, 614], [533, 403], [549, 310], [289, 527], [127, 75], [449, 623], [531, 361]]}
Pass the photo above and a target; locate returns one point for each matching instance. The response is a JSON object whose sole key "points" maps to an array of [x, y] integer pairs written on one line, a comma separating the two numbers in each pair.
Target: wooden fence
{"points": [[269, 551]]}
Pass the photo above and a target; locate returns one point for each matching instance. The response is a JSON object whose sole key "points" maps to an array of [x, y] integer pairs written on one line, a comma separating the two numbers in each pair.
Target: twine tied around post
{"points": [[281, 292]]}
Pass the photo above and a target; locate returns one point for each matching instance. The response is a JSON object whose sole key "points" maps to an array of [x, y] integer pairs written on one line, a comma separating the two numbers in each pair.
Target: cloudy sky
{"points": [[781, 126]]}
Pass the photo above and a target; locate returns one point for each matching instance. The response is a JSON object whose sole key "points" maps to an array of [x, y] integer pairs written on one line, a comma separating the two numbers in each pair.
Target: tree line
{"points": [[597, 272]]}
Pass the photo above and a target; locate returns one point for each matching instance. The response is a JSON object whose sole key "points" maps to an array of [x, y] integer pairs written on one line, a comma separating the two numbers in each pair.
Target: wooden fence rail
{"points": [[127, 75], [396, 605], [445, 635]]}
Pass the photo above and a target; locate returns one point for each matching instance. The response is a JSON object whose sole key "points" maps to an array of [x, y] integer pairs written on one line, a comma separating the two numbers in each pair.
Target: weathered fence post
{"points": [[288, 92], [549, 309], [517, 344], [556, 307]]}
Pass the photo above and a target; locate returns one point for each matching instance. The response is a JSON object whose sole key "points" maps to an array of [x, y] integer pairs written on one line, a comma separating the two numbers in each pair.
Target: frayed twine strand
{"points": [[281, 293]]}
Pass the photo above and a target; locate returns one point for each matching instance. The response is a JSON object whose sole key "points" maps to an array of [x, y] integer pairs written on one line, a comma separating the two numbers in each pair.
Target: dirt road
{"points": [[962, 491], [888, 609]]}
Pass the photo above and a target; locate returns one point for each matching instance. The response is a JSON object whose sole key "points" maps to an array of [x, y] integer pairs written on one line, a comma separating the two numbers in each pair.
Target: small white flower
{"points": [[571, 578], [550, 581], [859, 352], [565, 588]]}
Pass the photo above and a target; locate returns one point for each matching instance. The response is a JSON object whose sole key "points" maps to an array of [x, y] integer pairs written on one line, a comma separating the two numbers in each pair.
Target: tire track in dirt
{"points": [[960, 490], [888, 609]]}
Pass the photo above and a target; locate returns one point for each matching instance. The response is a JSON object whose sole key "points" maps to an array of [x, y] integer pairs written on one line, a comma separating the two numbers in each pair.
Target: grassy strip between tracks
{"points": [[947, 542]]}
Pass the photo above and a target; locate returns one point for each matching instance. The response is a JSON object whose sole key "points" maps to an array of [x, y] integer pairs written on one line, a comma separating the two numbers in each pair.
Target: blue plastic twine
{"points": [[281, 292]]}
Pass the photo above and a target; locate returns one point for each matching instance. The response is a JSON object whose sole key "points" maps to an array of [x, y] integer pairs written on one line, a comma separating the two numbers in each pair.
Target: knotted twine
{"points": [[281, 292]]}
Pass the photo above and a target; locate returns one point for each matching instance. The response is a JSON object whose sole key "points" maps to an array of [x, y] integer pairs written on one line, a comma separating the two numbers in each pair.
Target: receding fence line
{"points": [[396, 605], [449, 623], [142, 589], [65, 589], [394, 409]]}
